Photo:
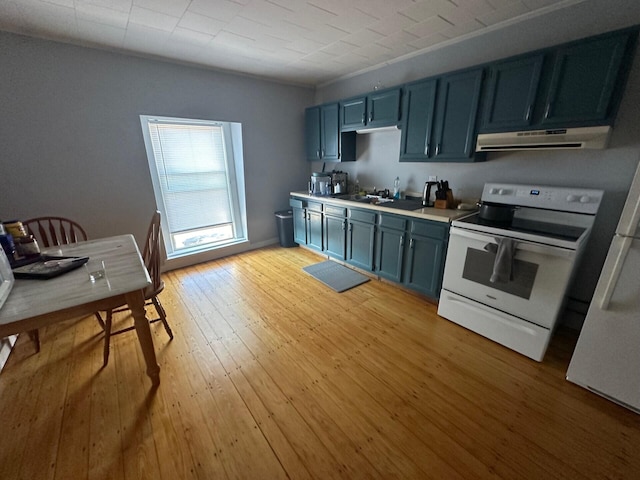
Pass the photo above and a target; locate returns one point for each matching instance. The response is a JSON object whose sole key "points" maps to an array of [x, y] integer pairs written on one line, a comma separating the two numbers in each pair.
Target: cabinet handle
{"points": [[426, 149], [308, 216], [438, 149], [402, 241], [318, 154], [527, 117], [411, 244], [343, 226], [370, 117], [547, 110], [350, 226], [364, 118]]}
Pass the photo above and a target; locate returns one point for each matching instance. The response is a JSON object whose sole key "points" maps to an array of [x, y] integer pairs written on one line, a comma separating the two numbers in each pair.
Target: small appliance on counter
{"points": [[339, 181], [320, 184]]}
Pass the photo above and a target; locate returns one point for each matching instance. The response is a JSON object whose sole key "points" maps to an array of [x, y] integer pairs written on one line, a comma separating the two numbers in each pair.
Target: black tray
{"points": [[35, 268]]}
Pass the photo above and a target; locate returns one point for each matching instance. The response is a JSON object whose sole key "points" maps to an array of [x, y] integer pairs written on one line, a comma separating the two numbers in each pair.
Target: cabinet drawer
{"points": [[362, 216], [296, 203], [391, 221], [314, 206], [430, 229], [335, 211]]}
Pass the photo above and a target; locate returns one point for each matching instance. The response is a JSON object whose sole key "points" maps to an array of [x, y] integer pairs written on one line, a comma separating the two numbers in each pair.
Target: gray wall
{"points": [[71, 141], [611, 169]]}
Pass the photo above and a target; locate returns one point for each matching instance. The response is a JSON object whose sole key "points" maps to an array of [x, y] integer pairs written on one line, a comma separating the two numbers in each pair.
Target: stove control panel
{"points": [[563, 199]]}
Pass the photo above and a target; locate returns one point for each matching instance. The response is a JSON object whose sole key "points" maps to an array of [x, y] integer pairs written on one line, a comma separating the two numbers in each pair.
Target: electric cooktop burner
{"points": [[523, 225]]}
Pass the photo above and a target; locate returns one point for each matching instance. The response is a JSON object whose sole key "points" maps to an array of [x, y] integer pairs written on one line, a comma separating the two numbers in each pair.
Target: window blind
{"points": [[192, 171]]}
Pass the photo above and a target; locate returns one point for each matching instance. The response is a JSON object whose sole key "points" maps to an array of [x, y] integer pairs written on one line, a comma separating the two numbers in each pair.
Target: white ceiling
{"points": [[305, 42]]}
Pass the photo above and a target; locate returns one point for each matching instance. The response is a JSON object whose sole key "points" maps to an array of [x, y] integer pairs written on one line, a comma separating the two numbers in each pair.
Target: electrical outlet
{"points": [[433, 178]]}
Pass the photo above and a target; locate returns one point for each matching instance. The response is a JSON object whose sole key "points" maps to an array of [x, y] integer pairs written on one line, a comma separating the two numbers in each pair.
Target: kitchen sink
{"points": [[403, 204], [398, 204], [354, 198]]}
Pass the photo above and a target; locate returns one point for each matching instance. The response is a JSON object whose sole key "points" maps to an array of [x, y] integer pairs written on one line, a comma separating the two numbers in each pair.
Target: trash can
{"points": [[284, 219]]}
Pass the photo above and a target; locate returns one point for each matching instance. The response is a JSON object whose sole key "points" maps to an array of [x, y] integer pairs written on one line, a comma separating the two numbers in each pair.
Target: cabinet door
{"points": [[314, 230], [360, 242], [418, 107], [583, 80], [389, 253], [425, 265], [330, 133], [383, 108], [511, 93], [312, 133], [353, 113], [457, 107], [299, 225], [335, 236]]}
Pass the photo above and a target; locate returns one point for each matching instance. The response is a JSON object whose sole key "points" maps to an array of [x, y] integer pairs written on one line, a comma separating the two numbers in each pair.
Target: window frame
{"points": [[232, 138]]}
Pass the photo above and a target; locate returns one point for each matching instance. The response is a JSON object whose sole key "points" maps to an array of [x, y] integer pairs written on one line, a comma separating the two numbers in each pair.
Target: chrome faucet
{"points": [[426, 194]]}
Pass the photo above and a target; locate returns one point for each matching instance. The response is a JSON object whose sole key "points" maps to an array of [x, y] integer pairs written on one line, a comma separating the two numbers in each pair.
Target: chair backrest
{"points": [[52, 231], [151, 255]]}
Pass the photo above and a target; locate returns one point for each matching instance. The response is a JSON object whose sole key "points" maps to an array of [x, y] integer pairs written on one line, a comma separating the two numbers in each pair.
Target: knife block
{"points": [[449, 202]]}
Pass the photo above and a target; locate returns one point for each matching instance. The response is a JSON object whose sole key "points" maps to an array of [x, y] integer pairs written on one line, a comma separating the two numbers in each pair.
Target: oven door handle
{"points": [[520, 244]]}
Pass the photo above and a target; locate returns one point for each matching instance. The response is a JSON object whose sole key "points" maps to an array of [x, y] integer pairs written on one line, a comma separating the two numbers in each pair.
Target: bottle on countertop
{"points": [[396, 188], [357, 188]]}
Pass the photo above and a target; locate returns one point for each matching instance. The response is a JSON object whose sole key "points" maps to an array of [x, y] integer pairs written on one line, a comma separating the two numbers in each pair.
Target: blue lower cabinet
{"points": [[390, 239], [335, 236], [361, 229], [401, 249], [424, 265], [299, 226], [314, 230]]}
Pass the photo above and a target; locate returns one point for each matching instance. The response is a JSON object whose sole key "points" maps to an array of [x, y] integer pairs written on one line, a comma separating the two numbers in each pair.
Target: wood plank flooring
{"points": [[272, 375]]}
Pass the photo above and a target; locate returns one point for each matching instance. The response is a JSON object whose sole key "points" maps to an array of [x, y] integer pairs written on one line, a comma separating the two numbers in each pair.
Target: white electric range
{"points": [[542, 247]]}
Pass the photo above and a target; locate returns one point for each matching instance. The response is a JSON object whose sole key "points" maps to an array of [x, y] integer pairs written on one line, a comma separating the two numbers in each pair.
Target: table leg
{"points": [[135, 300]]}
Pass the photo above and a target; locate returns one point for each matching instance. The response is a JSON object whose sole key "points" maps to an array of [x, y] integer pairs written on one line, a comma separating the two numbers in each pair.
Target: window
{"points": [[195, 167]]}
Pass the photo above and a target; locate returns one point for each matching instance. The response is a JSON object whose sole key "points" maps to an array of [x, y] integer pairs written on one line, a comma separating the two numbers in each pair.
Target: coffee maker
{"points": [[339, 181]]}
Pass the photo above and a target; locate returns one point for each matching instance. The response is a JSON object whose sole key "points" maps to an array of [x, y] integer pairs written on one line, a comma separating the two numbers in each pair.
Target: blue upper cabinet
{"points": [[323, 139], [353, 113], [584, 80], [456, 111], [439, 118], [511, 93], [579, 84], [419, 103], [377, 109]]}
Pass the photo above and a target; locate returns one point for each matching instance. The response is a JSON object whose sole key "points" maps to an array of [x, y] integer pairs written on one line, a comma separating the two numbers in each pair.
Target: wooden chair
{"points": [[151, 257], [50, 232], [53, 231]]}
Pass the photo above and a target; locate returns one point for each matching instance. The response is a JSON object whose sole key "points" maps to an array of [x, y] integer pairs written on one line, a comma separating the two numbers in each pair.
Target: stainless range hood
{"points": [[555, 139], [364, 130]]}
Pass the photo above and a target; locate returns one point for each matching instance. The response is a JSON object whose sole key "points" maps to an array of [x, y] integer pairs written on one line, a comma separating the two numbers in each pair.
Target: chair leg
{"points": [[163, 316], [107, 337], [100, 321], [34, 335]]}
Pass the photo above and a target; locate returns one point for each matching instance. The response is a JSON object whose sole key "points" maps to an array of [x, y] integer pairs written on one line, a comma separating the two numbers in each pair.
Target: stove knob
{"points": [[584, 199], [493, 191], [572, 198], [504, 191]]}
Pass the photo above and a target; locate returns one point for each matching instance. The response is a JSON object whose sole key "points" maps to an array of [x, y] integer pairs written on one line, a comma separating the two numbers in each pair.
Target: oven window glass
{"points": [[478, 267]]}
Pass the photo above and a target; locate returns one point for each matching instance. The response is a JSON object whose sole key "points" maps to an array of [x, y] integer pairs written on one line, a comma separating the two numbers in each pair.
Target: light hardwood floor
{"points": [[273, 375]]}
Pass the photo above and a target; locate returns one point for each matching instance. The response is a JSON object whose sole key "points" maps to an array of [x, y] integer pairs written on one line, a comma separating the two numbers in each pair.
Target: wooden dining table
{"points": [[34, 303]]}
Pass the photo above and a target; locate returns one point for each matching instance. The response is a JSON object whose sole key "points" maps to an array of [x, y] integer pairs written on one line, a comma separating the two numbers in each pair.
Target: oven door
{"points": [[540, 275]]}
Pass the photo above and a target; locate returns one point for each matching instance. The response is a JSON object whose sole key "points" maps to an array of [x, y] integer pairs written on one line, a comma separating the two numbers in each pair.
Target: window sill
{"points": [[194, 256]]}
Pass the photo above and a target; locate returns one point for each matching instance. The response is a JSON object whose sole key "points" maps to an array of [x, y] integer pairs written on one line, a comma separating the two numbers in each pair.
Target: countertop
{"points": [[425, 213]]}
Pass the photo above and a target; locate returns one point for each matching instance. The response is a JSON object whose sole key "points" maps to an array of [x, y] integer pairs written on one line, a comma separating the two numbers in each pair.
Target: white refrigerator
{"points": [[607, 357]]}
